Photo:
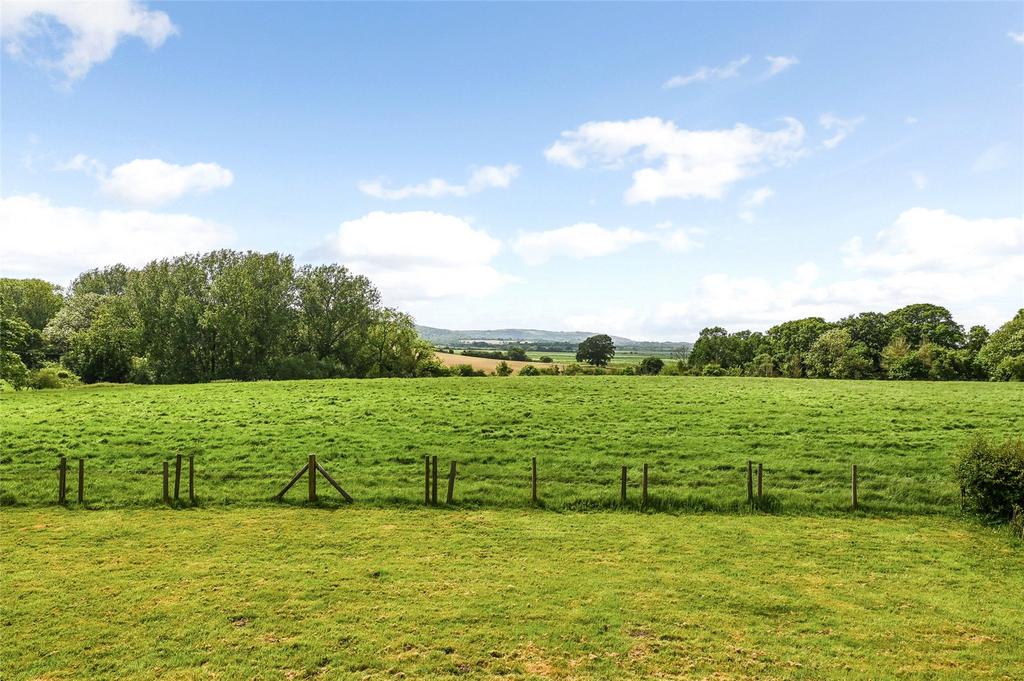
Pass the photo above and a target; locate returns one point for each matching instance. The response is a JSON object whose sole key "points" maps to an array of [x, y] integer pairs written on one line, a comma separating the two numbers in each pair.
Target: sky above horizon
{"points": [[644, 170]]}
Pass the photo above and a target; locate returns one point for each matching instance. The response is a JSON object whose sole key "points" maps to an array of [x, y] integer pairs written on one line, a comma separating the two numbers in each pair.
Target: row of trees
{"points": [[915, 342], [221, 315]]}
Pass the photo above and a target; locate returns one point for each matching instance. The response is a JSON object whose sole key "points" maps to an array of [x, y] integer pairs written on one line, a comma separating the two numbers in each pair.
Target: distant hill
{"points": [[532, 336]]}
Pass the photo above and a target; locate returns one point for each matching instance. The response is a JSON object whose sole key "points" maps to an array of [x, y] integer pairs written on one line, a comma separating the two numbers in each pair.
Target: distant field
{"points": [[696, 434], [374, 594], [622, 357], [481, 363]]}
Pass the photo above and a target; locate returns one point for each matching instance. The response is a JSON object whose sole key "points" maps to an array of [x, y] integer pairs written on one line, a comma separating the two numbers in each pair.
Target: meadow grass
{"points": [[385, 593], [696, 433]]}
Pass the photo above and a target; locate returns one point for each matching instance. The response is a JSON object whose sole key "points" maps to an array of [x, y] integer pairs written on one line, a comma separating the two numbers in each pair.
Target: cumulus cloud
{"points": [[59, 242], [707, 73], [589, 240], [152, 181], [678, 163], [486, 177], [925, 255], [777, 65], [419, 255], [1016, 37], [72, 37], [841, 128]]}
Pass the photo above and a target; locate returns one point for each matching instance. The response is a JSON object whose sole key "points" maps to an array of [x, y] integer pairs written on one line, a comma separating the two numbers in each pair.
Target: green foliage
{"points": [[998, 353], [12, 370], [650, 366], [503, 369], [517, 354], [32, 300], [546, 360], [712, 369], [529, 370], [1010, 369], [991, 475], [597, 350], [923, 322], [791, 341], [53, 376], [835, 355], [466, 370], [104, 281]]}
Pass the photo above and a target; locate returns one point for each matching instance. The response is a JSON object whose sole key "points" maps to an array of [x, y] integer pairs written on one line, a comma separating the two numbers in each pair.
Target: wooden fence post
{"points": [[760, 482], [750, 481], [533, 480], [312, 477], [622, 488], [167, 496], [645, 486], [433, 482], [192, 479], [426, 479], [81, 481], [853, 486], [451, 483], [177, 476], [62, 479]]}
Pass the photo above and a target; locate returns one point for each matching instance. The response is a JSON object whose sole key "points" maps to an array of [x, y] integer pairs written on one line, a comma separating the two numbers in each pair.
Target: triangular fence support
{"points": [[311, 469]]}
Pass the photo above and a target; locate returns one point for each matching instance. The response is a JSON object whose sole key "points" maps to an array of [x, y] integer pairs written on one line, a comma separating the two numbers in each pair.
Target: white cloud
{"points": [[487, 177], [910, 120], [419, 255], [590, 240], [707, 73], [152, 181], [1017, 37], [841, 127], [777, 65], [87, 35], [994, 158], [680, 163], [926, 255], [59, 242], [753, 199], [919, 179]]}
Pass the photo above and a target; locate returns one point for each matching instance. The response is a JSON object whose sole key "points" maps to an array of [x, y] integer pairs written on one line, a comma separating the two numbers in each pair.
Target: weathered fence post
{"points": [[177, 476], [433, 482], [426, 479], [760, 482], [853, 486], [62, 479], [750, 481], [451, 483], [81, 480], [533, 480], [192, 479], [167, 496], [645, 486], [312, 478], [622, 488]]}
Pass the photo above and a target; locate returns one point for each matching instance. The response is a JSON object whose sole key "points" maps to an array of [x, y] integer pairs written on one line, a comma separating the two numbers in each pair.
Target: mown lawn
{"points": [[696, 434], [383, 593]]}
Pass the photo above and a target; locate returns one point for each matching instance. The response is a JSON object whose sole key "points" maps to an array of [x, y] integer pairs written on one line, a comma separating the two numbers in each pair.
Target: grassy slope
{"points": [[369, 593], [696, 433]]}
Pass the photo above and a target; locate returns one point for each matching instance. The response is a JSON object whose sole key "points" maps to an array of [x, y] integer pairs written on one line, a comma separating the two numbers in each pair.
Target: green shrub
{"points": [[53, 376], [466, 370], [140, 372], [712, 369], [650, 366], [529, 370], [503, 369], [546, 360], [1009, 369], [991, 475]]}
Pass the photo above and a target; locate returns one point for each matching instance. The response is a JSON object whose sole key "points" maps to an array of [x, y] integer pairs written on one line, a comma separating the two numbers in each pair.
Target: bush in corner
{"points": [[650, 366], [991, 475]]}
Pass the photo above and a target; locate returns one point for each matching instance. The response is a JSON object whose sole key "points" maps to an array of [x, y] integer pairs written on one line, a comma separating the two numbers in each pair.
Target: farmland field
{"points": [[696, 433], [697, 586]]}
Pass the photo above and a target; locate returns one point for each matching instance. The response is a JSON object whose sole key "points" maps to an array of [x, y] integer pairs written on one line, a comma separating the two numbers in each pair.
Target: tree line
{"points": [[916, 342], [194, 318]]}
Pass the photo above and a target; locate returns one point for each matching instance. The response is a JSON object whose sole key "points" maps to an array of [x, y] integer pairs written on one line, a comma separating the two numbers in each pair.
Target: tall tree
{"points": [[597, 350]]}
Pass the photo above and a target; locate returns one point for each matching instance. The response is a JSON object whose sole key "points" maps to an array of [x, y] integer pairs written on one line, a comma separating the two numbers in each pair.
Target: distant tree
{"points": [[1002, 355], [835, 355], [335, 310], [597, 350], [925, 322], [650, 366], [104, 350], [901, 362], [503, 369], [32, 300], [871, 329], [105, 281], [529, 370], [517, 354], [546, 360], [791, 341]]}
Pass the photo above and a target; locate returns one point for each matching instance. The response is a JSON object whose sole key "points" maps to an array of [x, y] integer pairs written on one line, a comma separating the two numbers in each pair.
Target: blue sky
{"points": [[641, 169]]}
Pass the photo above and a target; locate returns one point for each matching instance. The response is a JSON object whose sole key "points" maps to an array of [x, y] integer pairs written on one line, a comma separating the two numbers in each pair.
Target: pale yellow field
{"points": [[488, 365]]}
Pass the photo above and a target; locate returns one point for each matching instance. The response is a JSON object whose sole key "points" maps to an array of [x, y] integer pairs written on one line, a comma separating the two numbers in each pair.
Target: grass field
{"points": [[622, 357], [244, 587], [696, 434], [377, 593]]}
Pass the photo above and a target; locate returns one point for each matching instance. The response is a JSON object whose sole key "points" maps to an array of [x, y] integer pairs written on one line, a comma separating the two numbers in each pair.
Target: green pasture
{"points": [[695, 433]]}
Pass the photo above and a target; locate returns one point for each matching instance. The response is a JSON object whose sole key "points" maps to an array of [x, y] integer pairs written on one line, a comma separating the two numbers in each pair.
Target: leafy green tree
{"points": [[105, 281], [32, 300], [901, 362], [517, 354], [925, 322], [597, 350], [75, 316], [335, 310], [104, 350], [791, 341], [835, 355], [1000, 353], [650, 366], [503, 369]]}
